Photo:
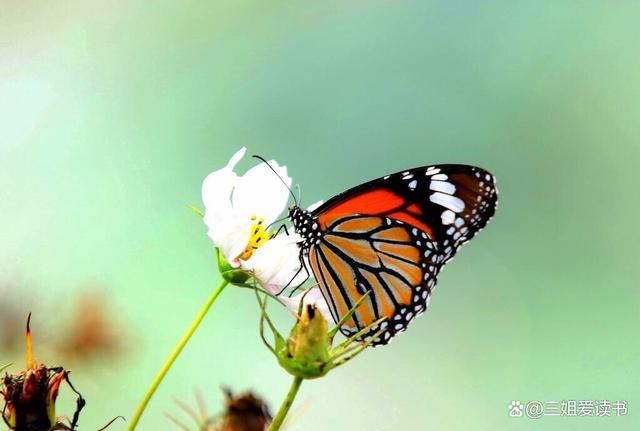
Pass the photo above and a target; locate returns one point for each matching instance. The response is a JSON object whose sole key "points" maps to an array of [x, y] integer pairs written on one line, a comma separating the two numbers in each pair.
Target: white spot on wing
{"points": [[453, 203], [447, 217], [413, 184], [442, 186]]}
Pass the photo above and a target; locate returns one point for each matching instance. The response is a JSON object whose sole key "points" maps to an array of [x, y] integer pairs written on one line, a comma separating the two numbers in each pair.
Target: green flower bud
{"points": [[309, 339], [307, 352]]}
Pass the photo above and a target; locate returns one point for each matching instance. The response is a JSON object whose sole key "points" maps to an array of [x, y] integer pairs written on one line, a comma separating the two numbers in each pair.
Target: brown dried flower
{"points": [[245, 412], [30, 396]]}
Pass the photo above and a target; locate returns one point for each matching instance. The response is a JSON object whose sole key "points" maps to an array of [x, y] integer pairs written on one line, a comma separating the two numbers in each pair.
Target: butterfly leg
{"points": [[303, 265], [306, 270], [281, 228]]}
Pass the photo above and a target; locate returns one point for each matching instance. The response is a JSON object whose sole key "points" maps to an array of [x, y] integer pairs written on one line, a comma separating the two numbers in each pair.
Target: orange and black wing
{"points": [[393, 261], [391, 236]]}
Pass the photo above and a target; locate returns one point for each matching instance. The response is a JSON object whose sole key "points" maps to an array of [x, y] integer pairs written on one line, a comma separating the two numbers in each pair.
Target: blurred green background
{"points": [[111, 114]]}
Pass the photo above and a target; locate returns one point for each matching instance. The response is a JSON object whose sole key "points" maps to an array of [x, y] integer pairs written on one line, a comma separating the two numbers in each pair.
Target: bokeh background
{"points": [[112, 113]]}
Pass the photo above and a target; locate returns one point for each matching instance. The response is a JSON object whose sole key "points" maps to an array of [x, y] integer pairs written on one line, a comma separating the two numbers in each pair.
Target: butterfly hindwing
{"points": [[393, 261]]}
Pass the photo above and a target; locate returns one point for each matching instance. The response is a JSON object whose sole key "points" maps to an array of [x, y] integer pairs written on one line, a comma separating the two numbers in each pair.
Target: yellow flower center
{"points": [[259, 236]]}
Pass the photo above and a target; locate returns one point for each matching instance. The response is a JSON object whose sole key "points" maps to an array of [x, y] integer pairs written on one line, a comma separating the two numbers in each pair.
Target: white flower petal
{"points": [[233, 238], [217, 189], [277, 261], [260, 192]]}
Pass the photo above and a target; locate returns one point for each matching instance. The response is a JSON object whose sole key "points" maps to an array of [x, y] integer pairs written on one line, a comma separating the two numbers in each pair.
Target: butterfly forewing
{"points": [[450, 203]]}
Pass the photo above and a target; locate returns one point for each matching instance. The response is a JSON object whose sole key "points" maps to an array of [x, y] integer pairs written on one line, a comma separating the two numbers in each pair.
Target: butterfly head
{"points": [[294, 212]]}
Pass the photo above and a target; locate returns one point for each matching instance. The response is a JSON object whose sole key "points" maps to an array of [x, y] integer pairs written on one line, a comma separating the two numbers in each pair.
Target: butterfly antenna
{"points": [[283, 182]]}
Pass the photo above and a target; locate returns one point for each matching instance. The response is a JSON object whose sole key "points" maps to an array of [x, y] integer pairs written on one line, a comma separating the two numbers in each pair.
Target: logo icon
{"points": [[515, 409]]}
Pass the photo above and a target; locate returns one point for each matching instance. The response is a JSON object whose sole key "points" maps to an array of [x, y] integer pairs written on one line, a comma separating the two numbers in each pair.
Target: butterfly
{"points": [[388, 239]]}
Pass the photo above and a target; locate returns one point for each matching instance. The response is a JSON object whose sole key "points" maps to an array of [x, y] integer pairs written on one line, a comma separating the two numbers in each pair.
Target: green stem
{"points": [[174, 355], [286, 405]]}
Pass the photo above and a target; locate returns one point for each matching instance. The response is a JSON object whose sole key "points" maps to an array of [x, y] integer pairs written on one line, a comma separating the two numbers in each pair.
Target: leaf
{"points": [[196, 210]]}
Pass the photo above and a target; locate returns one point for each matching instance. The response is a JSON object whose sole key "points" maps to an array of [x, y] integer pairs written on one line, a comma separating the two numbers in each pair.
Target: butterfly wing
{"points": [[395, 262], [391, 236]]}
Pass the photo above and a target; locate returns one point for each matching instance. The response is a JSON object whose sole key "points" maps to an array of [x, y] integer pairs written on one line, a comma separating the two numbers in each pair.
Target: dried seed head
{"points": [[30, 395], [245, 412]]}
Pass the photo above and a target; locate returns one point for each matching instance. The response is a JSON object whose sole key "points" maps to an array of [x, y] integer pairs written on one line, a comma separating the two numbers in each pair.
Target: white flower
{"points": [[238, 210]]}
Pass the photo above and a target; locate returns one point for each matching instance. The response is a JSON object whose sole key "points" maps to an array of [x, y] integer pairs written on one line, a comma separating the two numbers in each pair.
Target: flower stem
{"points": [[286, 405], [174, 355]]}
